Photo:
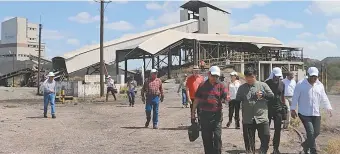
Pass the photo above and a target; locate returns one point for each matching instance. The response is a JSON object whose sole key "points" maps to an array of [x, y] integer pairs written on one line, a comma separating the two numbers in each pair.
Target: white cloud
{"points": [[304, 35], [154, 6], [119, 26], [262, 23], [169, 17], [317, 49], [332, 28], [73, 41], [328, 8], [151, 22], [52, 35], [238, 4], [128, 35], [85, 18]]}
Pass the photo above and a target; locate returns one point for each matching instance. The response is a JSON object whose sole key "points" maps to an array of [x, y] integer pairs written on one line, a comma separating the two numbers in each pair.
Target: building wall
{"points": [[9, 31], [213, 21]]}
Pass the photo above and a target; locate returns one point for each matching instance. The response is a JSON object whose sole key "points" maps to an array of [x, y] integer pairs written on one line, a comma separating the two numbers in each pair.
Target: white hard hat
{"points": [[153, 71], [277, 71], [109, 76], [50, 74], [195, 67], [313, 71], [215, 70], [233, 73]]}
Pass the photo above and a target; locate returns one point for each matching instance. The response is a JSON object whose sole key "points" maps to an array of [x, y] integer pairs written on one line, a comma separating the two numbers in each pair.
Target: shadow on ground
{"points": [[133, 127], [178, 128], [37, 117]]}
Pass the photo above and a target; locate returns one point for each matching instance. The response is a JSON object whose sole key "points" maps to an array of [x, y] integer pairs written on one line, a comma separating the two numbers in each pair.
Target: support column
{"points": [[153, 61], [289, 67], [242, 66], [195, 60], [180, 58], [125, 71], [259, 71], [270, 67], [157, 62], [144, 67], [169, 63], [117, 65]]}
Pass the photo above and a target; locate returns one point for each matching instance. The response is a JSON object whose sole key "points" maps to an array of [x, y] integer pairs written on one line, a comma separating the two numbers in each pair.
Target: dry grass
{"points": [[295, 123], [333, 146]]}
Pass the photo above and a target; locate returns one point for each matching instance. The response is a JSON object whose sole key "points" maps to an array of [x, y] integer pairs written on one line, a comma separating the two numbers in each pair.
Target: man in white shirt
{"points": [[111, 87], [307, 98], [290, 84], [49, 94]]}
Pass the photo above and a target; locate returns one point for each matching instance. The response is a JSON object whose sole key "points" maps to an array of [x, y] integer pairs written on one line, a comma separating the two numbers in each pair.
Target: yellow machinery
{"points": [[62, 97]]}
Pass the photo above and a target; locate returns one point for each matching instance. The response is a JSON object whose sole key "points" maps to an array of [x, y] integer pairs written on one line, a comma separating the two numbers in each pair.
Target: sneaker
{"points": [[147, 124], [276, 151], [53, 116], [45, 115], [133, 105], [228, 124], [155, 127]]}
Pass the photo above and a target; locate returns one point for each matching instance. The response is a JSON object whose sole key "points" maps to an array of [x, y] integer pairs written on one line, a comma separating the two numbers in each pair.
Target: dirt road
{"points": [[111, 127]]}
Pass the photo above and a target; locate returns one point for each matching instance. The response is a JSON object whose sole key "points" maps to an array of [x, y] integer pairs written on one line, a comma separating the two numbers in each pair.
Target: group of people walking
{"points": [[260, 102]]}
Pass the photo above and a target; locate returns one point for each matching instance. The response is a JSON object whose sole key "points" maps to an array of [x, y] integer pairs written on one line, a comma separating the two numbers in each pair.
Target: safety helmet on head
{"points": [[215, 70]]}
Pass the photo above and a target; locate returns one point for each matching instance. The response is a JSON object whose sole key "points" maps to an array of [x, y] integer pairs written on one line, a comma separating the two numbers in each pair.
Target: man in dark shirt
{"points": [[254, 96], [210, 96], [276, 105]]}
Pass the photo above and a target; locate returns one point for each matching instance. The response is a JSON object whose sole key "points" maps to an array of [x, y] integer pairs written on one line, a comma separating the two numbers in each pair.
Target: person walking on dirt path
{"points": [[308, 96], [111, 87], [132, 84], [210, 96], [234, 105], [192, 84], [290, 84], [49, 94], [182, 88], [277, 109], [153, 91], [254, 96]]}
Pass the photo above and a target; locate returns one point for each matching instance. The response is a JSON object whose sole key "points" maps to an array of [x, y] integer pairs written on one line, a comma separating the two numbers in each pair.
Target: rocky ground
{"points": [[113, 127]]}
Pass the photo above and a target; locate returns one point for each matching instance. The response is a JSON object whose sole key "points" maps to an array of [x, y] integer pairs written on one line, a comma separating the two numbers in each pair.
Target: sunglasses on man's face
{"points": [[314, 76]]}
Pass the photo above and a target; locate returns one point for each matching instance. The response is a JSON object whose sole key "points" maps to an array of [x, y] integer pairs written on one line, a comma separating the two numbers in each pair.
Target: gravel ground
{"points": [[110, 127]]}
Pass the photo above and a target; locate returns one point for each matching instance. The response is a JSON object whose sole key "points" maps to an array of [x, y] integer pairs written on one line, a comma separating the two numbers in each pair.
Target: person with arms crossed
{"points": [[254, 96], [290, 84], [132, 84], [210, 96], [309, 94], [153, 91], [234, 105], [111, 87]]}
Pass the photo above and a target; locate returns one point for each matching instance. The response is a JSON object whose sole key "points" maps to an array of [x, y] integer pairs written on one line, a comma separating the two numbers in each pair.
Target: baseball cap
{"points": [[277, 71], [313, 71], [214, 70], [233, 73], [153, 70]]}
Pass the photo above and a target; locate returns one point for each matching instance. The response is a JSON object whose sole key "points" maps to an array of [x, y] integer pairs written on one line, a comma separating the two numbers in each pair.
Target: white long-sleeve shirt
{"points": [[289, 86], [233, 87], [308, 98]]}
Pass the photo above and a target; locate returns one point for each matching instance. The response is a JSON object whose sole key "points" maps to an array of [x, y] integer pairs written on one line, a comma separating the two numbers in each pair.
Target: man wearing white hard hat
{"points": [[277, 109], [309, 96], [152, 93], [111, 87], [210, 96], [49, 94]]}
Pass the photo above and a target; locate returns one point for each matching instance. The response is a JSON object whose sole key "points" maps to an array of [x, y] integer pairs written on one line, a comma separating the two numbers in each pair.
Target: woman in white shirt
{"points": [[234, 105]]}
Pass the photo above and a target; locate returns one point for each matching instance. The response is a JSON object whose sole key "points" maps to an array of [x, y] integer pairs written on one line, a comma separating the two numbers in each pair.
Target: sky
{"points": [[67, 26]]}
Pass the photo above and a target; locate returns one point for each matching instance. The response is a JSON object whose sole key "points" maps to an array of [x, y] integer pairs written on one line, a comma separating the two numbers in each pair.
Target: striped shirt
{"points": [[211, 97]]}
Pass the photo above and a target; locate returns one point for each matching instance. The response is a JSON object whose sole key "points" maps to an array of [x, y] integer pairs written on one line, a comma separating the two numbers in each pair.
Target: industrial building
{"points": [[201, 35]]}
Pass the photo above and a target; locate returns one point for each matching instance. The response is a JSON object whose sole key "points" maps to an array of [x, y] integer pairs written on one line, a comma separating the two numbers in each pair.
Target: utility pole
{"points": [[102, 9], [39, 57]]}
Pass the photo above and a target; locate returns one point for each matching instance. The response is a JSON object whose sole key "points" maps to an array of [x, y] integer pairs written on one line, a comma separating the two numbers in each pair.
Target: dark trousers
{"points": [[249, 136], [234, 105], [277, 117], [312, 127], [131, 95], [108, 90], [211, 128], [198, 109]]}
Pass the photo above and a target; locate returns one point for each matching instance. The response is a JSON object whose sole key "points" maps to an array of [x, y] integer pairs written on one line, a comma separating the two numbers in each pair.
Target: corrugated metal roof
{"points": [[126, 38], [165, 39], [277, 46]]}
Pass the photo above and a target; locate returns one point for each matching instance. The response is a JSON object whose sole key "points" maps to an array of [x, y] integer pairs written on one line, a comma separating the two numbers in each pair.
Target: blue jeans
{"points": [[49, 98], [152, 103], [184, 97], [131, 96]]}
